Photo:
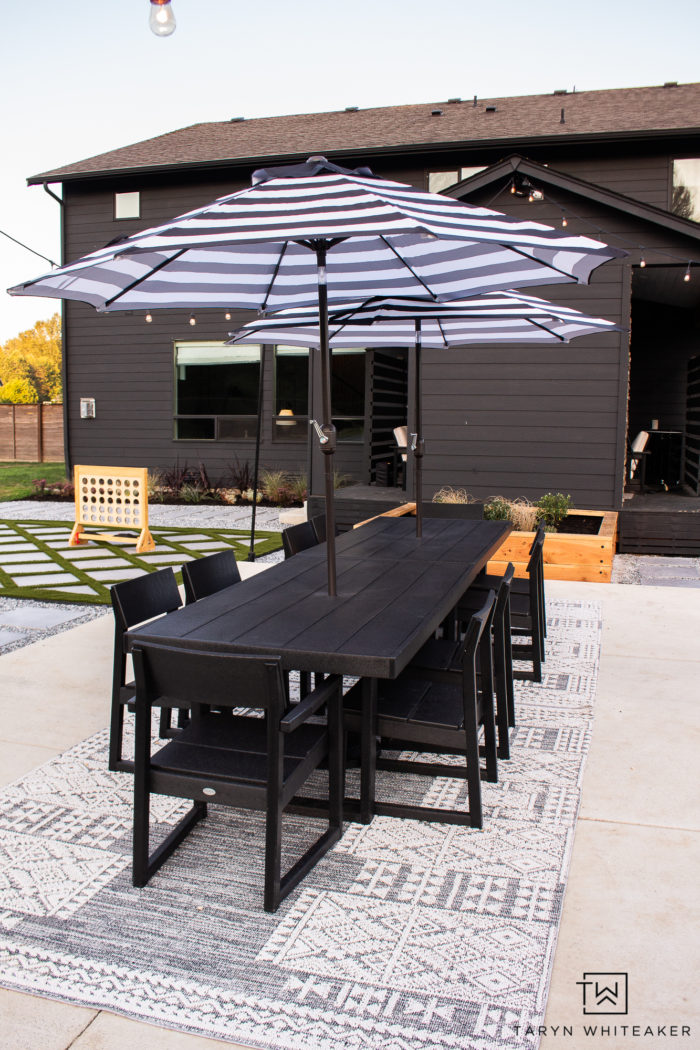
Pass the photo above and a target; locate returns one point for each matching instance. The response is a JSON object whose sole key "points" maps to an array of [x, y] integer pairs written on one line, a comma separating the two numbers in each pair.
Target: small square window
{"points": [[127, 205]]}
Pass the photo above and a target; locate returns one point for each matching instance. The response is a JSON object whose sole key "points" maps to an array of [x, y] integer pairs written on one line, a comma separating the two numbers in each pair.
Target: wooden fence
{"points": [[31, 433]]}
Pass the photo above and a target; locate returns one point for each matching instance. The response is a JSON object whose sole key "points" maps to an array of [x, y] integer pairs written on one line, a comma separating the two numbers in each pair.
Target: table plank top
{"points": [[393, 591]]}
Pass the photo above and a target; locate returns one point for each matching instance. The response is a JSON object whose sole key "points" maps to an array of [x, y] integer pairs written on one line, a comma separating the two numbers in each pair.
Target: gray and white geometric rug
{"points": [[407, 936]]}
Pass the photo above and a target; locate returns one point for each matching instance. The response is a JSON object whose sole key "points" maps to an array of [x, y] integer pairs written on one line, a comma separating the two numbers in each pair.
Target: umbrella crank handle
{"points": [[326, 434]]}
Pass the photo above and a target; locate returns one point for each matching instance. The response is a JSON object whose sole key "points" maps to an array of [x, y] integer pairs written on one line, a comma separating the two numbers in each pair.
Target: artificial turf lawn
{"points": [[168, 539]]}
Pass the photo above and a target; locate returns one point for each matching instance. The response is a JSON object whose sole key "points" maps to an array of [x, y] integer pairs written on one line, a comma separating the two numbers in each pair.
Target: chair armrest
{"points": [[311, 704]]}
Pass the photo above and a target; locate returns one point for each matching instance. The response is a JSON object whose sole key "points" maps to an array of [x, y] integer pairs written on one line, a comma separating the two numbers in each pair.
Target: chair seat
{"points": [[439, 654], [234, 749]]}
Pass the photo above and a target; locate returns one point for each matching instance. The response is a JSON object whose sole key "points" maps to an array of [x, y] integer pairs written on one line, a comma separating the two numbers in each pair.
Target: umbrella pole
{"points": [[419, 446], [328, 437], [258, 432]]}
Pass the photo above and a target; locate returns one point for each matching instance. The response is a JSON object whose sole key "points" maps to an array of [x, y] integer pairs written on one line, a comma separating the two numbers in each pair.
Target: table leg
{"points": [[368, 749]]}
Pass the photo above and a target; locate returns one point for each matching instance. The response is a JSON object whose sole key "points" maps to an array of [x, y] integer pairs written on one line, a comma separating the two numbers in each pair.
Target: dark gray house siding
{"points": [[497, 420]]}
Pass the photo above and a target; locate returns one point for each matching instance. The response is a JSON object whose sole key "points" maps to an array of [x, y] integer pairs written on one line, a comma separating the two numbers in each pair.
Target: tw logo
{"points": [[604, 993]]}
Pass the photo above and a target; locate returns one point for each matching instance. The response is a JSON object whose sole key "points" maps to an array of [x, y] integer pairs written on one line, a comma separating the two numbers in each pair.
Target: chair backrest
{"points": [[474, 633], [299, 538], [503, 590], [204, 576], [191, 677], [153, 594], [401, 436], [640, 442], [319, 526]]}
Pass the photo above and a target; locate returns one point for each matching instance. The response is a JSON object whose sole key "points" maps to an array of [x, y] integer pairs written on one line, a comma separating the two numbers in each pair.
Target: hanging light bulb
{"points": [[564, 221], [686, 275], [149, 318], [227, 315], [642, 263], [162, 20], [193, 320]]}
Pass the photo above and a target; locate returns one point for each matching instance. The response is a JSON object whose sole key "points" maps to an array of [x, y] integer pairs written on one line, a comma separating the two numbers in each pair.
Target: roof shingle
{"points": [[517, 119]]}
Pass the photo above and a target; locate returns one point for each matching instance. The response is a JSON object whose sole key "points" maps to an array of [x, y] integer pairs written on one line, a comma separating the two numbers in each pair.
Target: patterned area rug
{"points": [[407, 936], [36, 561]]}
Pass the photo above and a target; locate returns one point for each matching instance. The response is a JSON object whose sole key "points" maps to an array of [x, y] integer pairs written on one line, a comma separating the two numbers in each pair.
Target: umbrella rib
{"points": [[545, 329], [541, 262], [268, 293], [442, 331], [409, 268], [140, 280]]}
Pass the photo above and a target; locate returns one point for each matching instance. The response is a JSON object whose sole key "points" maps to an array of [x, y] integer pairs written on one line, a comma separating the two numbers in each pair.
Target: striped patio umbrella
{"points": [[312, 233], [497, 317]]}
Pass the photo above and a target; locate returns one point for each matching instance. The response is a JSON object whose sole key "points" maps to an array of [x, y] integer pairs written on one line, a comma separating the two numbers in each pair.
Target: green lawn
{"points": [[16, 478]]}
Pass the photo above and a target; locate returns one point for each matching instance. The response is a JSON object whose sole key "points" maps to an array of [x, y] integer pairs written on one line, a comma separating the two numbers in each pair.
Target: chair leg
{"points": [[116, 735], [273, 857], [502, 700], [368, 749]]}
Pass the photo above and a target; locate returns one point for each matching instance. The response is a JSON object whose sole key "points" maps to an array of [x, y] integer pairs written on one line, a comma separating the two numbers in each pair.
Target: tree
{"points": [[30, 364]]}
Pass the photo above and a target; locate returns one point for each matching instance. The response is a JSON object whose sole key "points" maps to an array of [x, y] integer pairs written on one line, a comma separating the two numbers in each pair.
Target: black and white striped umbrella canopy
{"points": [[251, 249], [497, 317]]}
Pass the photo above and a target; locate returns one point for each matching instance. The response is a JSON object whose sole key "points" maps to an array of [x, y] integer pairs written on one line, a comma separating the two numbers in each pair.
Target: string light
{"points": [[149, 318], [193, 320], [686, 275], [227, 315], [642, 263], [564, 221], [161, 20]]}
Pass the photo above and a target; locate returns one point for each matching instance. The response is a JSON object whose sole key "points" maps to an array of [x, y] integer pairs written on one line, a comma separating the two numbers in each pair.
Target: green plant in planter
{"points": [[552, 508], [298, 487], [498, 509], [192, 493]]}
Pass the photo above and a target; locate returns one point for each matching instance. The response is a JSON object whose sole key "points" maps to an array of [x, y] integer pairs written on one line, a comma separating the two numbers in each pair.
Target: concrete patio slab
{"points": [[29, 1023], [37, 616], [10, 636]]}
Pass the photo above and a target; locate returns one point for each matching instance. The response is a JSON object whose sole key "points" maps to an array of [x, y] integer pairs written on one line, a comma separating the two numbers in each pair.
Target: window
{"points": [[291, 393], [685, 200], [216, 391], [442, 180], [348, 394], [127, 205]]}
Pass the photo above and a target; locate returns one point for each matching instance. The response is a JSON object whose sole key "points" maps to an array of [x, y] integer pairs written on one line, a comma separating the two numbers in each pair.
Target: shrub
{"points": [[239, 475], [552, 508], [274, 485], [497, 509]]}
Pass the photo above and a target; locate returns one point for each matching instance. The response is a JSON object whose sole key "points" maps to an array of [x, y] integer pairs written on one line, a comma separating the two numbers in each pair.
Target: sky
{"points": [[78, 79]]}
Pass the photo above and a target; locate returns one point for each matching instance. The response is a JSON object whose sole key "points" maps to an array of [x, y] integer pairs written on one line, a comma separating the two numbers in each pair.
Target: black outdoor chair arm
{"points": [[311, 704]]}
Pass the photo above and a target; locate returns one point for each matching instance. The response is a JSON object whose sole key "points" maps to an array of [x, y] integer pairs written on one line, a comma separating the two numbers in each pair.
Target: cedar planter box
{"points": [[567, 555]]}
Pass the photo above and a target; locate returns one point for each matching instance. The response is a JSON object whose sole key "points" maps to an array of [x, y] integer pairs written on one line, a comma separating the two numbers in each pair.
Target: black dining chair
{"points": [[134, 602], [528, 612], [298, 538], [250, 763], [205, 576], [442, 656], [437, 714]]}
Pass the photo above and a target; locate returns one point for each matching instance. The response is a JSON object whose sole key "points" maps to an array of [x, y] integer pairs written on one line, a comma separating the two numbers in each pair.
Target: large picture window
{"points": [[216, 391], [686, 188], [292, 386]]}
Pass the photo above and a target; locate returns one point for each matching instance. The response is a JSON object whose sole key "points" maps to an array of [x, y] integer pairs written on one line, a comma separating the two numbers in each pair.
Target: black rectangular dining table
{"points": [[394, 590]]}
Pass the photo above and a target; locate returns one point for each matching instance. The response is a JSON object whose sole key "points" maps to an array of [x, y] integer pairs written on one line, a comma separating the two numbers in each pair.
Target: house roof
{"points": [[619, 112], [544, 175]]}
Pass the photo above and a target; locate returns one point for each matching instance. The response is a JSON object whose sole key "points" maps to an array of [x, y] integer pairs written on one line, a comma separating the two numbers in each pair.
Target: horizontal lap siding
{"points": [[645, 179]]}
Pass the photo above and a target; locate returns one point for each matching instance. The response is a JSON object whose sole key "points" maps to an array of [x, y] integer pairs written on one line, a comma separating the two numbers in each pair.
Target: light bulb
{"points": [[642, 263], [686, 275], [193, 320], [149, 318], [565, 221], [162, 20], [227, 315]]}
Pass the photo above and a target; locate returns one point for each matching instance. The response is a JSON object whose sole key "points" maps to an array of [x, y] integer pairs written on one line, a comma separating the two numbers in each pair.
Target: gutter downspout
{"points": [[64, 339]]}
